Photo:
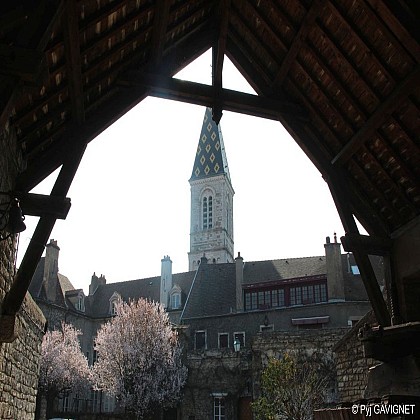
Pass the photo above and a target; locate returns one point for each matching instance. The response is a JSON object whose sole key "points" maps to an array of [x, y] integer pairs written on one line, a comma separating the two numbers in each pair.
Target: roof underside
{"points": [[341, 75]]}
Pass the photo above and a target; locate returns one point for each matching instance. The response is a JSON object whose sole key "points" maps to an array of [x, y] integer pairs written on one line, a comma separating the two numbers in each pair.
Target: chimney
{"points": [[335, 277], [203, 259], [165, 280], [95, 282], [239, 261], [50, 279]]}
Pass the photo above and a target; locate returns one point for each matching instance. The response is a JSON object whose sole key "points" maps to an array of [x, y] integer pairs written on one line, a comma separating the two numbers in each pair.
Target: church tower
{"points": [[211, 231]]}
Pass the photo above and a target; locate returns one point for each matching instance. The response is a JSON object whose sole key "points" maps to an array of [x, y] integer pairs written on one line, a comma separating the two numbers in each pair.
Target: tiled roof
{"points": [[210, 159]]}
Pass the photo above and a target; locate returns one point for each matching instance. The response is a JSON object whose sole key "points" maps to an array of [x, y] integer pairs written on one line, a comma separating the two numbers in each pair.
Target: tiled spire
{"points": [[210, 159]]}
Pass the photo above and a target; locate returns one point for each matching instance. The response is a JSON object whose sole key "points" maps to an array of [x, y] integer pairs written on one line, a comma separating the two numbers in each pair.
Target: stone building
{"points": [[341, 77], [269, 307]]}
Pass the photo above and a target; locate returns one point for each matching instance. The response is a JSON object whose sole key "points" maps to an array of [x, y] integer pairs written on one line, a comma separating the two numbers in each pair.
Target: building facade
{"points": [[269, 307]]}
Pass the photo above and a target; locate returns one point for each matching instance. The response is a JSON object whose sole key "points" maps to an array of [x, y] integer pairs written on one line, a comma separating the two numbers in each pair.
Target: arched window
{"points": [[208, 212], [114, 299], [80, 303]]}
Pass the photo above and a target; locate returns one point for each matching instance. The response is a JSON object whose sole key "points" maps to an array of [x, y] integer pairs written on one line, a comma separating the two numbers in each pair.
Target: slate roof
{"points": [[213, 291], [36, 282], [149, 288], [37, 287], [282, 269], [210, 159]]}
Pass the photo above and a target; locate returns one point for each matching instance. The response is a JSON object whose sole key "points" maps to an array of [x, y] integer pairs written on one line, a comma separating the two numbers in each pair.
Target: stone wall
{"points": [[352, 366], [213, 373], [19, 364], [316, 344], [19, 360]]}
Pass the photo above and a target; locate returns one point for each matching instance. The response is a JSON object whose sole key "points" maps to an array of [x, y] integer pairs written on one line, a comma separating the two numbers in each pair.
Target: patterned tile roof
{"points": [[210, 159]]}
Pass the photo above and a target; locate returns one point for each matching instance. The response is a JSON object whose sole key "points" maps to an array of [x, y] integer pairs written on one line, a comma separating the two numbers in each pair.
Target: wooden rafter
{"points": [[73, 62], [298, 41], [24, 60], [41, 205], [370, 245], [339, 192], [159, 31], [219, 50], [23, 63], [200, 94], [393, 14], [360, 205], [334, 106], [378, 117]]}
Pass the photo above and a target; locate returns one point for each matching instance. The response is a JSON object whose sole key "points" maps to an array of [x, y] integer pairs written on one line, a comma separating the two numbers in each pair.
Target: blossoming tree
{"points": [[139, 358], [63, 367]]}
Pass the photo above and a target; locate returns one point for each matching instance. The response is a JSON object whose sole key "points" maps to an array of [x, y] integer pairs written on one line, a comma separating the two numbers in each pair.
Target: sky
{"points": [[131, 197]]}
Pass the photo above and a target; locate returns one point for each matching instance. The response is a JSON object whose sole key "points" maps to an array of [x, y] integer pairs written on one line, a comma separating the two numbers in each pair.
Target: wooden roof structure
{"points": [[341, 75]]}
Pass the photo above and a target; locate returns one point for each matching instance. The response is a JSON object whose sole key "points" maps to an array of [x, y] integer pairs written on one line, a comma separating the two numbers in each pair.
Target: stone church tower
{"points": [[211, 231]]}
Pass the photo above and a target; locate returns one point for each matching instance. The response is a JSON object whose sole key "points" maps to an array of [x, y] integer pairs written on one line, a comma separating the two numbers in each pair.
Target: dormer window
{"points": [[175, 297], [80, 303], [175, 301], [114, 307], [113, 301]]}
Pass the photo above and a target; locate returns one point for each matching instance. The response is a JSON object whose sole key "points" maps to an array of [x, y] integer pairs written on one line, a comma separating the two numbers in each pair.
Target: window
{"points": [[114, 307], [176, 301], [80, 304], [219, 408], [200, 340], [266, 328], [113, 300], [223, 340], [239, 336], [264, 299], [208, 212], [286, 295], [295, 296]]}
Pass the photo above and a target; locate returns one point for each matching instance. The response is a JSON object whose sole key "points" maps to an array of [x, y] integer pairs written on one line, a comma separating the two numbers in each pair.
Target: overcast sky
{"points": [[131, 196]]}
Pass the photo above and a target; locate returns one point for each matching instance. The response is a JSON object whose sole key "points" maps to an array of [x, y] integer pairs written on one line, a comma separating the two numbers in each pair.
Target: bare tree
{"points": [[63, 366], [139, 358], [290, 389]]}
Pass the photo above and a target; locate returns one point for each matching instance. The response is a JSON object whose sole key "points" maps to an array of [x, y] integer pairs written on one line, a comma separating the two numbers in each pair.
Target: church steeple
{"points": [[211, 232], [210, 159]]}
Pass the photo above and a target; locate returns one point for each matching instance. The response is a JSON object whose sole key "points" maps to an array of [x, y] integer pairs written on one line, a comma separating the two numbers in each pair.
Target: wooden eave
{"points": [[349, 69]]}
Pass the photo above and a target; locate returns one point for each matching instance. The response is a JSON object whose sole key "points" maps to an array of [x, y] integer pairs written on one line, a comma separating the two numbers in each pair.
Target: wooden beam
{"points": [[398, 23], [339, 192], [16, 294], [73, 61], [12, 19], [218, 56], [42, 205], [371, 245], [160, 26], [298, 41], [117, 103], [200, 94], [23, 63], [378, 117]]}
